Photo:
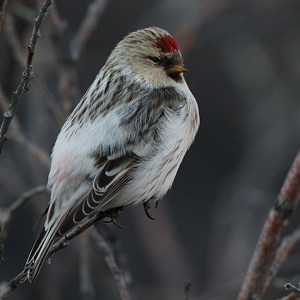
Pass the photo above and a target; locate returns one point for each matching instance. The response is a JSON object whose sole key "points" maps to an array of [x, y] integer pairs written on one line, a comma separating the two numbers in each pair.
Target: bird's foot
{"points": [[115, 212]]}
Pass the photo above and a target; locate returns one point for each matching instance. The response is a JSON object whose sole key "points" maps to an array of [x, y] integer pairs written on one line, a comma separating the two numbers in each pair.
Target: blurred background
{"points": [[244, 70]]}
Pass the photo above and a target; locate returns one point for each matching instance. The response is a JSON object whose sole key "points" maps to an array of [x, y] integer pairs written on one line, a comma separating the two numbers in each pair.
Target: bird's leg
{"points": [[147, 206]]}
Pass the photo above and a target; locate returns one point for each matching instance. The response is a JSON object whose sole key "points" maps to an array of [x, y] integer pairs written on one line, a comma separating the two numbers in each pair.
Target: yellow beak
{"points": [[177, 69]]}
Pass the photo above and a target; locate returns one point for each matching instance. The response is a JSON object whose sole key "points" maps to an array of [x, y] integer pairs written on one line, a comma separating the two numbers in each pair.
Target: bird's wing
{"points": [[112, 177]]}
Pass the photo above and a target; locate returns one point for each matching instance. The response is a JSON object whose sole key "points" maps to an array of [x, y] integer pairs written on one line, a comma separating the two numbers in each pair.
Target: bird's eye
{"points": [[155, 59]]}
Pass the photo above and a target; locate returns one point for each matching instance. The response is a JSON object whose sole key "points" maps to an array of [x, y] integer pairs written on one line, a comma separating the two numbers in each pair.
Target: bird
{"points": [[124, 141]]}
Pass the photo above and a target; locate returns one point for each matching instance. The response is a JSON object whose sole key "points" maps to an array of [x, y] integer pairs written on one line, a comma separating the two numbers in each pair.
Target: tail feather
{"points": [[39, 252]]}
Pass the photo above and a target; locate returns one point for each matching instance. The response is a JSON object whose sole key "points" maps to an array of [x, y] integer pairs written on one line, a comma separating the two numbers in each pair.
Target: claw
{"points": [[147, 206], [115, 212], [117, 224]]}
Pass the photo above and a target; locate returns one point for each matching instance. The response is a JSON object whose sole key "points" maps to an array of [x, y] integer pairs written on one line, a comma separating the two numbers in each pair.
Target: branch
{"points": [[281, 254], [1, 247], [259, 268], [64, 241], [19, 54], [187, 291], [6, 213], [26, 76], [4, 104], [88, 24], [292, 288], [7, 287], [68, 75], [112, 265], [67, 54], [295, 292], [2, 11], [19, 137], [87, 288]]}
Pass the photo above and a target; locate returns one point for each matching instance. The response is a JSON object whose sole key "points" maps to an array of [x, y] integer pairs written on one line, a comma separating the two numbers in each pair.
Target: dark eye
{"points": [[155, 59]]}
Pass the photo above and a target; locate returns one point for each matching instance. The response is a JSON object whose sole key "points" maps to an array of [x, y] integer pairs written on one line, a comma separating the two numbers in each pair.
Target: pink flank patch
{"points": [[166, 43]]}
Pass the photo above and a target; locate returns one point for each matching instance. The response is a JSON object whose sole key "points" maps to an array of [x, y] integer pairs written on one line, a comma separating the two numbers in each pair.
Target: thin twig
{"points": [[88, 24], [67, 54], [4, 104], [7, 287], [87, 288], [26, 76], [6, 213], [295, 292], [291, 296], [19, 54], [68, 80], [17, 135], [259, 268], [292, 288], [111, 263], [2, 11], [64, 241], [282, 252], [187, 291], [1, 247]]}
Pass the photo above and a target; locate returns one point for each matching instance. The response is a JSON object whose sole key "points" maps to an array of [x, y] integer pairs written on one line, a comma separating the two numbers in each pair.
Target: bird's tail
{"points": [[39, 252]]}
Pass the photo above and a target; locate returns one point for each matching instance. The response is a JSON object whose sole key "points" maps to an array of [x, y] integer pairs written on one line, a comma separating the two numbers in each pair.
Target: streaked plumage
{"points": [[125, 140]]}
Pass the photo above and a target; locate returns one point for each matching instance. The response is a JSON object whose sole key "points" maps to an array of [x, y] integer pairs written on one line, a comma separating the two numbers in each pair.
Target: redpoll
{"points": [[124, 141]]}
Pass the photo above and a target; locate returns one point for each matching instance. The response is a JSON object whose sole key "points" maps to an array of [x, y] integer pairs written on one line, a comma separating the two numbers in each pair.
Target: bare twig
{"points": [[19, 54], [4, 104], [2, 11], [19, 137], [281, 254], [68, 54], [26, 76], [111, 262], [6, 213], [64, 241], [291, 296], [259, 268], [68, 81], [1, 246], [295, 292], [292, 288], [86, 286], [7, 287], [88, 24], [187, 291]]}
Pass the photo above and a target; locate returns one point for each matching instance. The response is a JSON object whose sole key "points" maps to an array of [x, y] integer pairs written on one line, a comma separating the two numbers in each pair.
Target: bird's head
{"points": [[152, 54]]}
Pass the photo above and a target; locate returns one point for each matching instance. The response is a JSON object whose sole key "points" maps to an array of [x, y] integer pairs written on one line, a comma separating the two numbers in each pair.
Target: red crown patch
{"points": [[166, 43]]}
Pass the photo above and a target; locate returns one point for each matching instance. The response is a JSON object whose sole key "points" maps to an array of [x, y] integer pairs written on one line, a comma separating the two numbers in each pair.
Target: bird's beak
{"points": [[177, 69]]}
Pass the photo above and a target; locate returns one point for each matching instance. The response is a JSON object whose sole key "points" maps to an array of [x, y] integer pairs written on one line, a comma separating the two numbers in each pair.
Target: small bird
{"points": [[124, 141]]}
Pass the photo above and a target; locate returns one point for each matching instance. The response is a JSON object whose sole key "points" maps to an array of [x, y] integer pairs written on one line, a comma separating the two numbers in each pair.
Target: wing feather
{"points": [[111, 178]]}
